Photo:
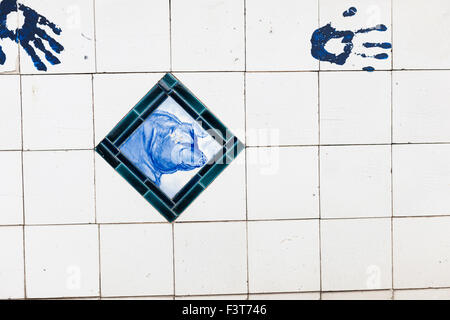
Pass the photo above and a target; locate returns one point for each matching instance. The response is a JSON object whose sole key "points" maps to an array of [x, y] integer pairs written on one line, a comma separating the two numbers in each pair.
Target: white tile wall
{"points": [[10, 126], [356, 254], [62, 261], [283, 256], [355, 181], [282, 108], [433, 52], [11, 268], [222, 268], [421, 255], [342, 192], [143, 24], [76, 19], [145, 270], [278, 188], [57, 112]]}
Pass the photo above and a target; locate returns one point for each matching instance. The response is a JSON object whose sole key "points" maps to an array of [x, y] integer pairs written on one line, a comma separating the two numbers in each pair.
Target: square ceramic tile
{"points": [[278, 188], [282, 108], [283, 256], [208, 35], [57, 112], [421, 177], [420, 109], [362, 115], [355, 181], [356, 254], [354, 35], [146, 49], [136, 260], [11, 268], [232, 206], [9, 49], [216, 297], [62, 261], [286, 296], [10, 116], [109, 107], [11, 201], [422, 294], [222, 266], [169, 147], [279, 33], [59, 187], [223, 93], [358, 295], [425, 20], [116, 201], [67, 44], [421, 255]]}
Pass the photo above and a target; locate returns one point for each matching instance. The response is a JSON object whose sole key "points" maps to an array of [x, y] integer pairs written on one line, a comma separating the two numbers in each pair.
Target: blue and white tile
{"points": [[9, 48], [110, 108], [370, 15], [170, 147], [222, 93]]}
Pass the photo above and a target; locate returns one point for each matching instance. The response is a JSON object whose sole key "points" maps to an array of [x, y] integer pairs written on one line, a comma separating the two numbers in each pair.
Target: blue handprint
{"points": [[326, 33], [30, 34]]}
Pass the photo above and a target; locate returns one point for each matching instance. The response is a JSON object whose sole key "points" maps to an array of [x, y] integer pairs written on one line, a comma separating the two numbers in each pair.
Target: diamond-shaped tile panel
{"points": [[169, 147]]}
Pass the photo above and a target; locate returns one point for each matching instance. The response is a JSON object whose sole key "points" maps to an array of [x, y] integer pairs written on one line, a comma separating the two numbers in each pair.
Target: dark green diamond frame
{"points": [[169, 86]]}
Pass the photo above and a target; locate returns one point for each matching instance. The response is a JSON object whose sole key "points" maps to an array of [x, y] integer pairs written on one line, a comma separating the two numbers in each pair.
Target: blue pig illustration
{"points": [[163, 145]]}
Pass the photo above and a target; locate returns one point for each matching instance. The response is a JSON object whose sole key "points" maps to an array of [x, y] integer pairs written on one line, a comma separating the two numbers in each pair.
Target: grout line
{"points": [[170, 37], [99, 261], [227, 221], [246, 150], [264, 146], [93, 153], [95, 36], [318, 166], [173, 257], [23, 187], [218, 71], [392, 140]]}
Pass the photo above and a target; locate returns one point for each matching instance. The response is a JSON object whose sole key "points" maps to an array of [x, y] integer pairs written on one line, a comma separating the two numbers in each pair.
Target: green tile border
{"points": [[169, 86]]}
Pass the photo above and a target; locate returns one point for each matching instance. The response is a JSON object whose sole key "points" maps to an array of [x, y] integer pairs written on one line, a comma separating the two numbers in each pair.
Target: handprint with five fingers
{"points": [[31, 36]]}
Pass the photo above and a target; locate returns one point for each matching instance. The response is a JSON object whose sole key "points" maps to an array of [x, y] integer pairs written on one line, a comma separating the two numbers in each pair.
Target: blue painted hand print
{"points": [[163, 145], [31, 34], [323, 35]]}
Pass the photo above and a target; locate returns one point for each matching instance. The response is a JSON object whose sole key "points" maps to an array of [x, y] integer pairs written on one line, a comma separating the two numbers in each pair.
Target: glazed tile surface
{"points": [[119, 181]]}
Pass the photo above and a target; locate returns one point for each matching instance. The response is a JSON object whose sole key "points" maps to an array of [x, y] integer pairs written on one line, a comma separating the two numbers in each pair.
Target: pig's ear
{"points": [[199, 131]]}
